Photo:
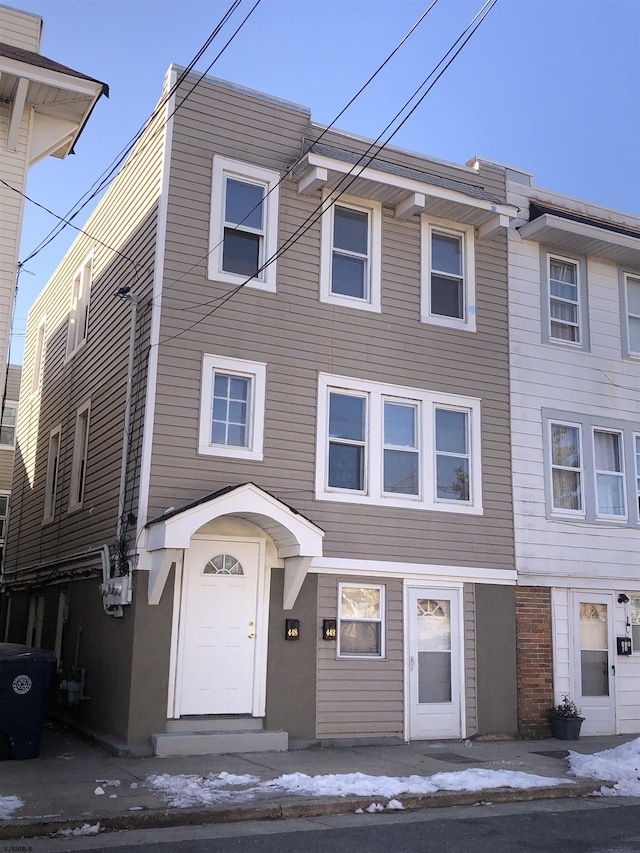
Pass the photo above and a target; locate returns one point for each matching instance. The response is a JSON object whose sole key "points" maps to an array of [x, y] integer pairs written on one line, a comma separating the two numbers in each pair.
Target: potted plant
{"points": [[566, 720]]}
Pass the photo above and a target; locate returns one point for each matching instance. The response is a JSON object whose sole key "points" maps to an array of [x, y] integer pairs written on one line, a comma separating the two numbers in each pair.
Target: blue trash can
{"points": [[25, 675]]}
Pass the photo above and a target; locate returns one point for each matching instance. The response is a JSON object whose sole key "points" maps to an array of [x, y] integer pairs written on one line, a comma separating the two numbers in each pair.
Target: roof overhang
{"points": [[297, 540], [583, 239], [62, 104], [407, 195]]}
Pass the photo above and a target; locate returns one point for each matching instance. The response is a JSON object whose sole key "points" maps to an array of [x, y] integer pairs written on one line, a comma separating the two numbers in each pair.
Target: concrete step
{"points": [[219, 742], [215, 724]]}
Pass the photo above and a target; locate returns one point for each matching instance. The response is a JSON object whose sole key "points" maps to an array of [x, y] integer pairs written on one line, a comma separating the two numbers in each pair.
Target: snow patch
{"points": [[620, 765], [8, 805], [85, 829]]}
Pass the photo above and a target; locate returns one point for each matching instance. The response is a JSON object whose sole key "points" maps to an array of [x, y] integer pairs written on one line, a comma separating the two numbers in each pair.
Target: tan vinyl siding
{"points": [[298, 336], [469, 663], [360, 697], [124, 225]]}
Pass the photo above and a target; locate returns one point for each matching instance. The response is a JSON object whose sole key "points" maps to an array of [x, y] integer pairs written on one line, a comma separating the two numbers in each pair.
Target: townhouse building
{"points": [[263, 485]]}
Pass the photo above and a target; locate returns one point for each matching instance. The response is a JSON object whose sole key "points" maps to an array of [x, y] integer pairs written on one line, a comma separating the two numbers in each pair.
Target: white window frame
{"points": [[53, 473], [79, 306], [80, 451], [256, 372], [634, 648], [38, 357], [628, 315], [636, 470], [427, 401], [573, 513], [224, 168], [373, 209], [621, 475], [381, 621], [10, 405], [429, 225], [552, 256]]}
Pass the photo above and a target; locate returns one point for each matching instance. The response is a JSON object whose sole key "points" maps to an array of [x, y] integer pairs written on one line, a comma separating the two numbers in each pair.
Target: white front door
{"points": [[219, 615], [435, 708], [593, 684]]}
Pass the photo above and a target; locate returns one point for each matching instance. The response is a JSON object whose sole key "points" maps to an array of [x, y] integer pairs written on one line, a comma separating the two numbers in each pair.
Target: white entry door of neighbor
{"points": [[435, 708], [594, 661], [219, 615]]}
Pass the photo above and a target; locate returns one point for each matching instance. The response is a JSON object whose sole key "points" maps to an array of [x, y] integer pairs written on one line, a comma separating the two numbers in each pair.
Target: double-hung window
{"points": [[232, 407], [4, 514], [360, 620], [636, 442], [395, 446], [79, 463], [566, 468], [8, 425], [79, 309], [632, 299], [38, 357], [609, 473], [448, 274], [564, 305], [351, 253], [244, 224], [51, 481]]}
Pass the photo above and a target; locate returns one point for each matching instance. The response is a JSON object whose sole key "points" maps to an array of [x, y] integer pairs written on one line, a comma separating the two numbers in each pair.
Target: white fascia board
{"points": [[47, 77], [409, 184], [612, 582], [535, 229], [413, 571]]}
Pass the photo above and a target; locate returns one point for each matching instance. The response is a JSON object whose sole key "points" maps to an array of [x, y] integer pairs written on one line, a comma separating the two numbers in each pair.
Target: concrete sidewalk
{"points": [[58, 787]]}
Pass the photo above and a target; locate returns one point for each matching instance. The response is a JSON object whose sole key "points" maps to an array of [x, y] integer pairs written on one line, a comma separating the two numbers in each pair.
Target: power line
{"points": [[325, 205], [109, 173], [315, 142]]}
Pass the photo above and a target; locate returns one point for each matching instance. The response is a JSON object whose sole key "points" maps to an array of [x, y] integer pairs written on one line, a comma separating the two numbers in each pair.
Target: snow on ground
{"points": [[8, 805], [620, 765], [188, 791]]}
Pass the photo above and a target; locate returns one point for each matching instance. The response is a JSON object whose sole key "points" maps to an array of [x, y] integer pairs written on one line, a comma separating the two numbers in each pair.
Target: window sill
{"points": [[450, 322], [240, 281], [7, 447], [400, 503], [350, 302], [231, 453]]}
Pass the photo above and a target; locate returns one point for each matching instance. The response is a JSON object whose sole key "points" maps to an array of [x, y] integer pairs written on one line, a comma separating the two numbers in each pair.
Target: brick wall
{"points": [[534, 660]]}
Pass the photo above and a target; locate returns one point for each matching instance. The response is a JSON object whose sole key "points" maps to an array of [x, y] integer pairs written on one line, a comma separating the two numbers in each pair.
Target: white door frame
{"points": [[261, 628], [457, 591], [607, 598]]}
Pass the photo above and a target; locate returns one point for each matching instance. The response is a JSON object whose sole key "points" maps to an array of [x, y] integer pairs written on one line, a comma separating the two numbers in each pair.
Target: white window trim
{"points": [[631, 353], [3, 536], [257, 372], [73, 343], [561, 511], [429, 224], [39, 357], [620, 474], [374, 209], [381, 621], [11, 404], [53, 476], [80, 452], [224, 167], [635, 454], [553, 256], [427, 402]]}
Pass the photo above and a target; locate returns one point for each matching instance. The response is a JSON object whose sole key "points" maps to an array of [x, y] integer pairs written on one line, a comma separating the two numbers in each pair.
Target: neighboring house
{"points": [[574, 271], [43, 109], [8, 445], [258, 501]]}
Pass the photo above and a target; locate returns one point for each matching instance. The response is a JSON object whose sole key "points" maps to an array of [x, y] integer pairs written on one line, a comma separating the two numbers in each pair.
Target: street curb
{"points": [[284, 810]]}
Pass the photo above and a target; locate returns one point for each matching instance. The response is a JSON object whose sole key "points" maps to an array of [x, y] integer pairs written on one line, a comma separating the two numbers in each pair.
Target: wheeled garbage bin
{"points": [[25, 674]]}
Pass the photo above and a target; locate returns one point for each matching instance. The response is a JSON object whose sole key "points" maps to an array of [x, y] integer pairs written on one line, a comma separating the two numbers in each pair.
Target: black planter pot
{"points": [[566, 728]]}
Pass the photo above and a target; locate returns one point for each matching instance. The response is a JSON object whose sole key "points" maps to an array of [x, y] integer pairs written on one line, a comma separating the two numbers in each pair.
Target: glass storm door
{"points": [[593, 669], [434, 664]]}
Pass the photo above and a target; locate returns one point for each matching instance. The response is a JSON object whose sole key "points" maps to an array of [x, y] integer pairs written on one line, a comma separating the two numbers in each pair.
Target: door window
{"points": [[594, 649], [434, 651]]}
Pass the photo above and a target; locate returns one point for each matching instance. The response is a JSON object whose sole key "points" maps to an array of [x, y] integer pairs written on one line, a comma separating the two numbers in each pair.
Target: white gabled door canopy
{"points": [[297, 540]]}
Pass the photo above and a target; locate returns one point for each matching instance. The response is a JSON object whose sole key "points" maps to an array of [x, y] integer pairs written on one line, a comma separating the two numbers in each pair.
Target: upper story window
{"points": [[448, 274], [244, 224], [588, 465], [564, 302], [232, 407], [632, 302], [8, 425], [4, 514], [38, 357], [351, 253], [635, 624], [51, 482], [395, 446], [79, 310], [79, 463]]}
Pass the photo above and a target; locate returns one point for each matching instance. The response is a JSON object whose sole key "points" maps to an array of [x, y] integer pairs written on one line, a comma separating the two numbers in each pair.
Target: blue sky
{"points": [[549, 86]]}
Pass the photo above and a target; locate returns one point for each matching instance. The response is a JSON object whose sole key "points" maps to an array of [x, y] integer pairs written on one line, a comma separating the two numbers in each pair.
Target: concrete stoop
{"points": [[217, 737]]}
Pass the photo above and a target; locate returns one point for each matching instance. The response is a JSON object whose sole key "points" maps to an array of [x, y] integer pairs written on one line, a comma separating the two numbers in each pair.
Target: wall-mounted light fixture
{"points": [[622, 598]]}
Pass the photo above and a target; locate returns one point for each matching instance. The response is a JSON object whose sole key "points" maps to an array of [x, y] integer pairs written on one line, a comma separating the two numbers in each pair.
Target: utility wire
{"points": [[109, 173], [324, 206]]}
